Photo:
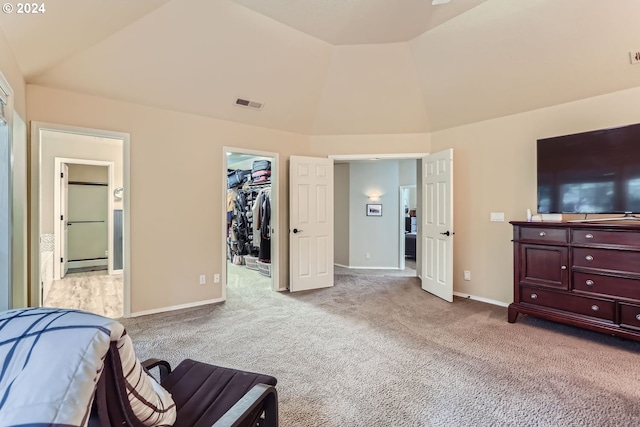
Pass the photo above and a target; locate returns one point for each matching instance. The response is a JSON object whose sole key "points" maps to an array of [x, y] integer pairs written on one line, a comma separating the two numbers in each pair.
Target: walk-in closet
{"points": [[249, 221]]}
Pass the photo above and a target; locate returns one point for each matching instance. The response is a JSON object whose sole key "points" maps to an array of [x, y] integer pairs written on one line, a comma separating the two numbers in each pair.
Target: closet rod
{"points": [[261, 185]]}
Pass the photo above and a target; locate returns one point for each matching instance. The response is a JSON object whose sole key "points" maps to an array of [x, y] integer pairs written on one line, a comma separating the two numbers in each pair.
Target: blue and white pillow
{"points": [[50, 363]]}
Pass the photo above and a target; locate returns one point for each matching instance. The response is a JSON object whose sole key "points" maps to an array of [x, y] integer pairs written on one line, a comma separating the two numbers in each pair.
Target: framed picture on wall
{"points": [[374, 210]]}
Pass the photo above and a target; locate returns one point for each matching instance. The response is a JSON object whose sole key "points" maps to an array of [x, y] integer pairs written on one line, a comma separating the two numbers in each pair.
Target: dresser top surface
{"points": [[610, 225]]}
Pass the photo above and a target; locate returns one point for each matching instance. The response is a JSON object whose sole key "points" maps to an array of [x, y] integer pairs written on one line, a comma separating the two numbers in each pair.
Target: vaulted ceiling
{"points": [[333, 66]]}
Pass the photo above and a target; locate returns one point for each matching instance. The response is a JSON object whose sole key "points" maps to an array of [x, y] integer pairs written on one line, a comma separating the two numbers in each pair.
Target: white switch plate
{"points": [[497, 216], [216, 278], [467, 275], [203, 279]]}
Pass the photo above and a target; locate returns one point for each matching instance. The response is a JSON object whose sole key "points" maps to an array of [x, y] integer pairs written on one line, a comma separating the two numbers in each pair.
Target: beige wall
{"points": [[9, 68], [495, 171], [370, 144], [176, 189]]}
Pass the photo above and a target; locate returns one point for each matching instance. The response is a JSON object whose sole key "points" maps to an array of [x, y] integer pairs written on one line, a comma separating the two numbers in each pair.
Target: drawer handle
{"points": [[535, 296], [542, 234], [589, 236], [589, 282], [637, 316], [595, 308], [589, 258], [564, 267]]}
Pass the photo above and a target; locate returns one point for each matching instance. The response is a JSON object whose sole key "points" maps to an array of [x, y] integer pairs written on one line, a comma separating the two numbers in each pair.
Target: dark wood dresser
{"points": [[582, 274]]}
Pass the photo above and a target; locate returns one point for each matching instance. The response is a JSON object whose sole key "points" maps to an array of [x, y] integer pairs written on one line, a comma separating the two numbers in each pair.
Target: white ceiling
{"points": [[67, 27], [333, 66], [342, 22]]}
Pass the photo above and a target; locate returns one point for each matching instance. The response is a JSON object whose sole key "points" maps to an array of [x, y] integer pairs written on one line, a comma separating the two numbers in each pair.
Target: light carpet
{"points": [[379, 351]]}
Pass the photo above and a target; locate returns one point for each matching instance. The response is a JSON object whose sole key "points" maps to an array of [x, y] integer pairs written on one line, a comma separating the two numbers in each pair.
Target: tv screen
{"points": [[594, 172]]}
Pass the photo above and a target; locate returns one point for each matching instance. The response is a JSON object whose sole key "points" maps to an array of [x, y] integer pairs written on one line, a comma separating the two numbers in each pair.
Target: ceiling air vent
{"points": [[249, 104]]}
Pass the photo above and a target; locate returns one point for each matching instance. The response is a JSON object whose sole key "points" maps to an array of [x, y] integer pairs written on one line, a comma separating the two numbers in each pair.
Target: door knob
{"points": [[296, 231], [448, 233]]}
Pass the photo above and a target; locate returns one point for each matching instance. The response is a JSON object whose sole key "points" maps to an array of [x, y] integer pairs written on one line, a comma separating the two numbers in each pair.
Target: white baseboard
{"points": [[487, 300], [89, 263], [176, 307], [355, 267]]}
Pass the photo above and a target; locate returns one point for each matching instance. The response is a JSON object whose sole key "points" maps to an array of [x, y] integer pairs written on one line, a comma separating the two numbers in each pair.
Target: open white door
{"points": [[310, 223], [64, 204], [437, 224]]}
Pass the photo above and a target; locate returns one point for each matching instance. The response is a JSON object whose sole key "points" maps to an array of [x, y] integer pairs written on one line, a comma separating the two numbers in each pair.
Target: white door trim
{"points": [[275, 217], [393, 156], [36, 134], [402, 231], [59, 161]]}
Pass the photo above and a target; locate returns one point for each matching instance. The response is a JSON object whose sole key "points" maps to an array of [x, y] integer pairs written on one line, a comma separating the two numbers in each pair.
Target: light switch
{"points": [[497, 216]]}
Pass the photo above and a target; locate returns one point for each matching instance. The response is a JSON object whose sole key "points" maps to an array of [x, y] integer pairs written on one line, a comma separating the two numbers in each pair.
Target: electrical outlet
{"points": [[634, 57], [467, 275], [367, 255], [497, 216], [203, 279], [216, 278]]}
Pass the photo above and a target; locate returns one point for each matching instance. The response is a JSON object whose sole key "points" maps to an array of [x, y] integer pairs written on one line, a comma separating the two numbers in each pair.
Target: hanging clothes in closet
{"points": [[249, 211], [264, 203], [251, 221]]}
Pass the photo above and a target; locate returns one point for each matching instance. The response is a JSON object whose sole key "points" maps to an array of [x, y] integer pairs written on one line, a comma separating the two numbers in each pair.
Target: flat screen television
{"points": [[595, 172]]}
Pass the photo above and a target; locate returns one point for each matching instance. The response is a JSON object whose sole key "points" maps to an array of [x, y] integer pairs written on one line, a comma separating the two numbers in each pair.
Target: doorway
{"points": [[434, 241], [390, 183], [408, 227], [250, 220], [54, 146], [86, 236]]}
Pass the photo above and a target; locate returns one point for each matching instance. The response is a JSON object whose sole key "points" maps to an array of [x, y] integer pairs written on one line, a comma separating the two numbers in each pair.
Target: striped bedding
{"points": [[50, 362]]}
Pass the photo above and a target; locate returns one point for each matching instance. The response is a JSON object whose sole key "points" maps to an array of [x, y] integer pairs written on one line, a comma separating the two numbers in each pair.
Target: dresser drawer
{"points": [[606, 285], [630, 315], [606, 259], [588, 306], [605, 237], [544, 234]]}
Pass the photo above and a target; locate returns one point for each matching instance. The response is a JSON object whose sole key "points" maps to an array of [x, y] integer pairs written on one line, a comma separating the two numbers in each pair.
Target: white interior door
{"points": [[64, 228], [437, 224], [310, 223]]}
